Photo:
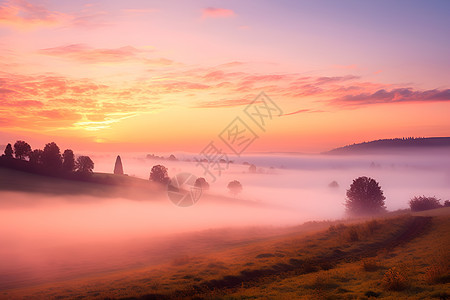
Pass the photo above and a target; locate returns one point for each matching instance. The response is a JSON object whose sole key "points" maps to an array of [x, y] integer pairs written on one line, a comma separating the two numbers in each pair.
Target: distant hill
{"points": [[393, 145]]}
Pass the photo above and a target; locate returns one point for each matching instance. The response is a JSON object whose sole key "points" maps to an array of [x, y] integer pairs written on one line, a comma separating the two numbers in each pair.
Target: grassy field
{"points": [[119, 185], [396, 257]]}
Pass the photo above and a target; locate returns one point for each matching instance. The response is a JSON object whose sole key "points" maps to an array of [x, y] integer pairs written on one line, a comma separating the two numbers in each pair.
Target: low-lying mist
{"points": [[46, 237]]}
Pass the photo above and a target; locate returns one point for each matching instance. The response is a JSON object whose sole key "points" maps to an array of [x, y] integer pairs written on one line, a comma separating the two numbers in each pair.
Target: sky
{"points": [[162, 76]]}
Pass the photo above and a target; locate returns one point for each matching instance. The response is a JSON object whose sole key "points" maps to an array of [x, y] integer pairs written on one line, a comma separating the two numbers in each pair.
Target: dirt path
{"points": [[412, 228]]}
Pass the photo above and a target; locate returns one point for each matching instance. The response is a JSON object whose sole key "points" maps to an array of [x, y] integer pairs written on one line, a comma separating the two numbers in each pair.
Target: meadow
{"points": [[285, 236], [401, 255]]}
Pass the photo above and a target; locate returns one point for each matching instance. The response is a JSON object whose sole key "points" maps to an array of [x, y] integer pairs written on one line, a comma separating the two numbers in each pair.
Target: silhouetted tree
{"points": [[84, 165], [118, 168], [9, 151], [68, 163], [201, 183], [36, 156], [424, 203], [159, 174], [51, 157], [252, 169], [447, 203], [21, 149], [365, 197], [235, 187]]}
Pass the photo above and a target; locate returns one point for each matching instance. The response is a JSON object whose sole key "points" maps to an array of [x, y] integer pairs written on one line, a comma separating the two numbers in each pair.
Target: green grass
{"points": [[113, 186], [313, 261]]}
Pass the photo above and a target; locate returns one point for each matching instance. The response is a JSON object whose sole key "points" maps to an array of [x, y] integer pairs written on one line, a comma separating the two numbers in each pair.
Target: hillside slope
{"points": [[394, 146], [395, 257], [117, 185]]}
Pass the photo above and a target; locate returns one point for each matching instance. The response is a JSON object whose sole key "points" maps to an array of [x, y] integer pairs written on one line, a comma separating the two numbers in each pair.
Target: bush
{"points": [[435, 273], [369, 264], [351, 235], [394, 280], [424, 203], [333, 184], [372, 226]]}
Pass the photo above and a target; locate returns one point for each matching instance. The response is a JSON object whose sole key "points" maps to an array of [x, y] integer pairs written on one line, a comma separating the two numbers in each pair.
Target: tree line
{"points": [[49, 160]]}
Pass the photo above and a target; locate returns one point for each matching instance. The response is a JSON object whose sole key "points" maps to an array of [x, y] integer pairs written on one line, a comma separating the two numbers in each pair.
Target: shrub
{"points": [[394, 280], [337, 228], [333, 184], [369, 264], [372, 226], [351, 234], [435, 273], [424, 203], [323, 281]]}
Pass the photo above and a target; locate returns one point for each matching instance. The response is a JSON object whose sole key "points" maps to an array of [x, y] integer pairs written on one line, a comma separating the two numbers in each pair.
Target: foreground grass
{"points": [[394, 258]]}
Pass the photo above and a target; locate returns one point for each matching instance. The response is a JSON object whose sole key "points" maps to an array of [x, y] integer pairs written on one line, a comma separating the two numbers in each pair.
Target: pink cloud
{"points": [[302, 111], [330, 80], [25, 15], [215, 12], [393, 96], [87, 54]]}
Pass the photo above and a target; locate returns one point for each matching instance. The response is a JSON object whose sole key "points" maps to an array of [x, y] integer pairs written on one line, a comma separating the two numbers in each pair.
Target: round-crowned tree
{"points": [[68, 163], [51, 157], [21, 149], [84, 165], [365, 197], [235, 187], [36, 156], [201, 183], [159, 174]]}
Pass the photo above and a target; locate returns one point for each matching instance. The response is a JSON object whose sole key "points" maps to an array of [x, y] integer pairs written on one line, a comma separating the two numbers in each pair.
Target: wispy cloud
{"points": [[23, 14], [44, 103], [215, 12], [85, 54], [297, 112], [393, 96], [335, 79]]}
